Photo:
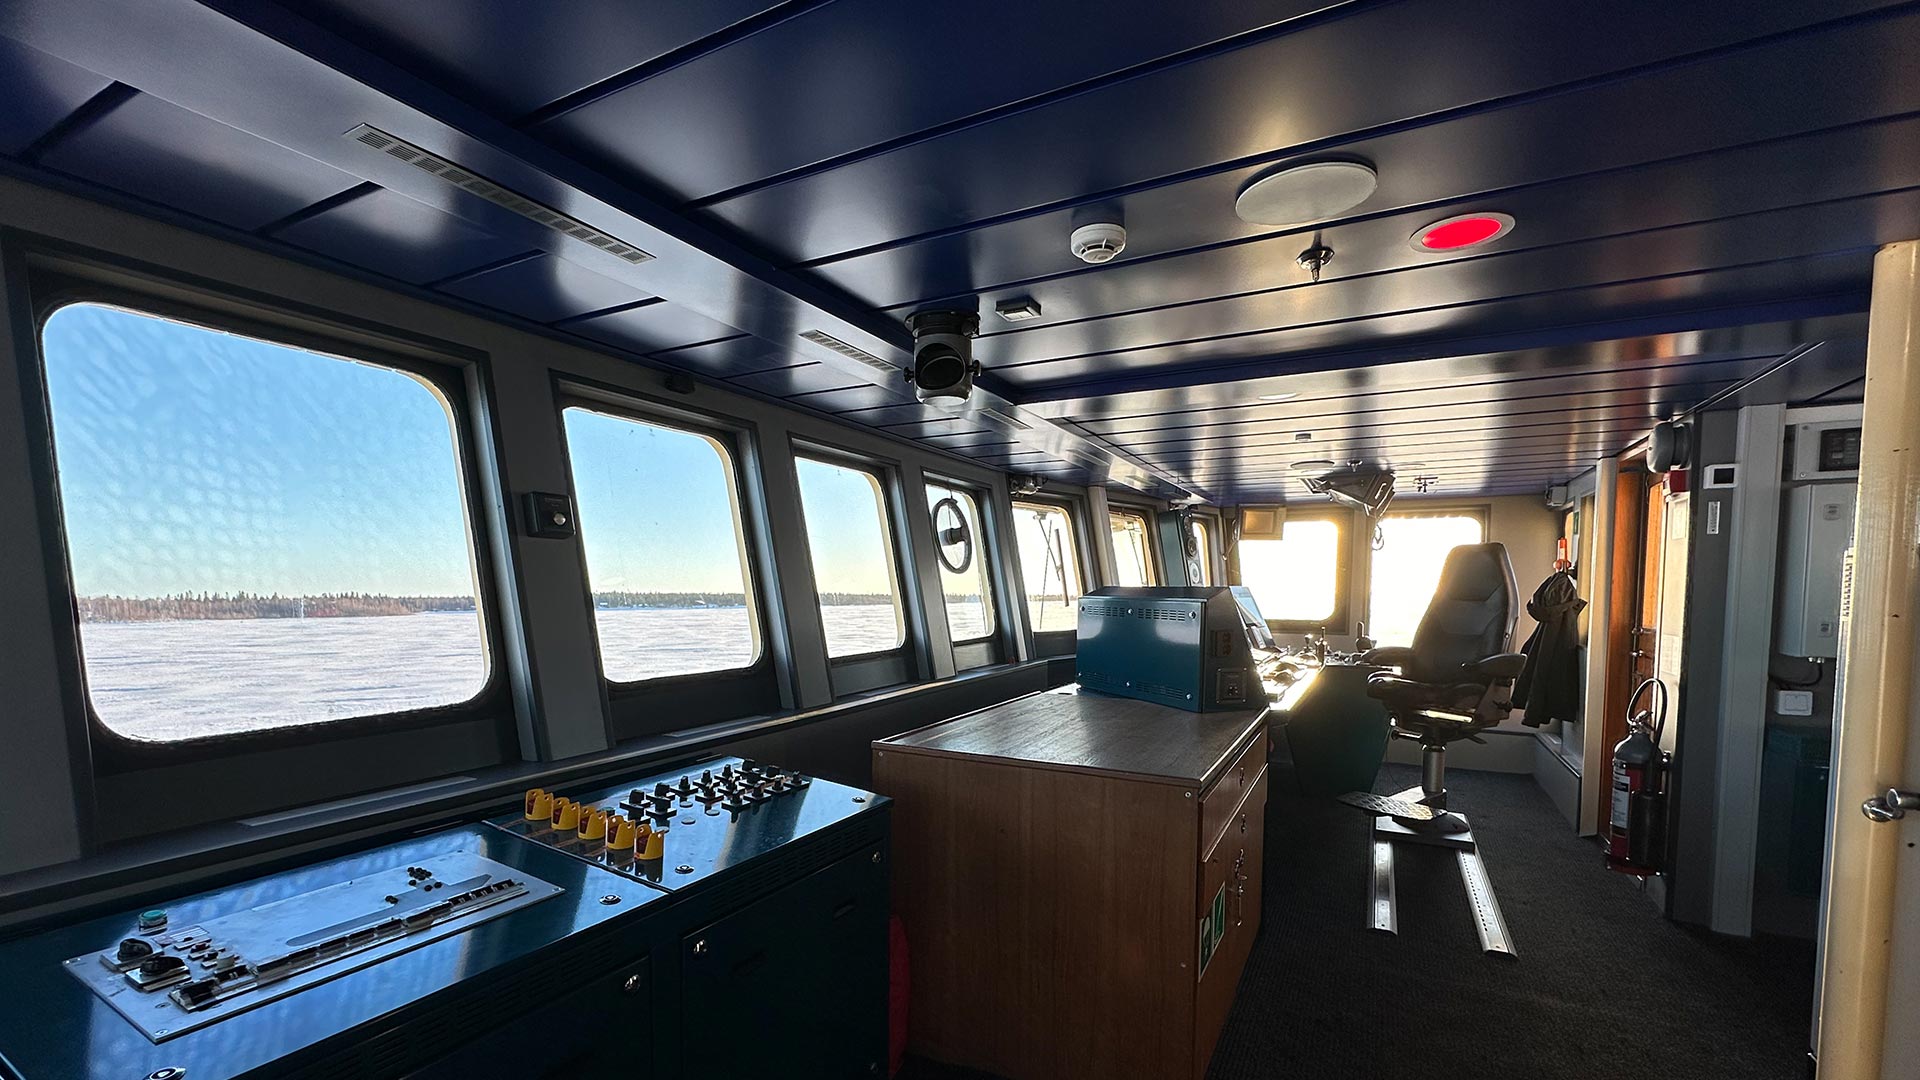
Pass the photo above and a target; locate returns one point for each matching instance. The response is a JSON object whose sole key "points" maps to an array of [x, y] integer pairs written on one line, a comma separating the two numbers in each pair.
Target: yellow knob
{"points": [[620, 834], [539, 805], [566, 814], [656, 844], [593, 824]]}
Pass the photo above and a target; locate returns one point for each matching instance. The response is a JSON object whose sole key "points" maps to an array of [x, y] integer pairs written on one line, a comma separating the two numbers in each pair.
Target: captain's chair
{"points": [[1455, 681]]}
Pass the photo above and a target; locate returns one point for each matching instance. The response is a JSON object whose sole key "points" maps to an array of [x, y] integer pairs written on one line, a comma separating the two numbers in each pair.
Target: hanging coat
{"points": [[1549, 685]]}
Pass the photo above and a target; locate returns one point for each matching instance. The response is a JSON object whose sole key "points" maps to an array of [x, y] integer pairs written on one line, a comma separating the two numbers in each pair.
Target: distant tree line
{"points": [[245, 605]]}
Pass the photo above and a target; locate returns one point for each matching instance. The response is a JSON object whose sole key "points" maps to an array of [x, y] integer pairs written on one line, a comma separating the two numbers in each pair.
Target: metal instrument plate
{"points": [[261, 954], [703, 835]]}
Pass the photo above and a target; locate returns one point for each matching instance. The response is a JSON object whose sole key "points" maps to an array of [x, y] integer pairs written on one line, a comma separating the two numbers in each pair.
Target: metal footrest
{"points": [[1381, 805], [1382, 906]]}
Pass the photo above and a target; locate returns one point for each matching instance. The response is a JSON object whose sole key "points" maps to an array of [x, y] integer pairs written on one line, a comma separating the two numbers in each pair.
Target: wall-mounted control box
{"points": [[1829, 450], [1793, 702], [1819, 529]]}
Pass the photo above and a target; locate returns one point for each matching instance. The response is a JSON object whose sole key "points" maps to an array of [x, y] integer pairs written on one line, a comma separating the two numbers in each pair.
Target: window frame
{"points": [[984, 554], [1053, 642], [56, 279], [1209, 544], [1145, 516], [860, 672], [1481, 512], [668, 702], [1340, 620]]}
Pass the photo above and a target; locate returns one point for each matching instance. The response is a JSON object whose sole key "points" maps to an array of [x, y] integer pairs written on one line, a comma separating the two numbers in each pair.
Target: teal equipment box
{"points": [[1189, 647]]}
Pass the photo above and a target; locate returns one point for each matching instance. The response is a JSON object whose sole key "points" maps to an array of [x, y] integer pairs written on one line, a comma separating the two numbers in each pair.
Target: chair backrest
{"points": [[1471, 616]]}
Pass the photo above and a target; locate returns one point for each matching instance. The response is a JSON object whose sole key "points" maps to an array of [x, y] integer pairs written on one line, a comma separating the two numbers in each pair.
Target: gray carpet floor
{"points": [[1603, 986]]}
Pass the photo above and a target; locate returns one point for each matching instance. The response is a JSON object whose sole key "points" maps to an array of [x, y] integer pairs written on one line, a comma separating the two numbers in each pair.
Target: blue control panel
{"points": [[461, 952], [708, 820]]}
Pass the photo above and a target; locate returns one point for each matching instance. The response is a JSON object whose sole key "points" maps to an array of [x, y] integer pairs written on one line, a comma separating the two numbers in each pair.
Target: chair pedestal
{"points": [[1437, 828]]}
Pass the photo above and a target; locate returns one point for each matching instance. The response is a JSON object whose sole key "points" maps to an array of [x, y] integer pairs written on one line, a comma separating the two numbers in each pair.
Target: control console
{"points": [[667, 910], [673, 829]]}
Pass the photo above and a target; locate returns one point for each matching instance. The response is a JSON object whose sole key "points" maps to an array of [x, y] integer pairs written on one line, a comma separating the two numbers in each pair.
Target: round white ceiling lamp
{"points": [[1304, 194], [1313, 463]]}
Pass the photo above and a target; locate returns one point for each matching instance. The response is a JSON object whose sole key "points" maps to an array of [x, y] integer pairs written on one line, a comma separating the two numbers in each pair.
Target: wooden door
{"points": [[1870, 935]]}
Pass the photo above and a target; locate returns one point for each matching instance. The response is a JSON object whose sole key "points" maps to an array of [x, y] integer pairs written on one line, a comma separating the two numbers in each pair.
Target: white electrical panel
{"points": [[1819, 530]]}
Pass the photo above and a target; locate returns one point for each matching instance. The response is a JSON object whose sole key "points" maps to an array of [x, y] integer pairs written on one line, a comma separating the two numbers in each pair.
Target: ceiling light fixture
{"points": [[1463, 231], [1018, 309], [1278, 397], [1304, 194], [1313, 463]]}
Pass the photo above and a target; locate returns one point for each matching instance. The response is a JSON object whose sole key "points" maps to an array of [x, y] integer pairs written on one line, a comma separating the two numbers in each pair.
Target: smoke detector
{"points": [[1098, 242]]}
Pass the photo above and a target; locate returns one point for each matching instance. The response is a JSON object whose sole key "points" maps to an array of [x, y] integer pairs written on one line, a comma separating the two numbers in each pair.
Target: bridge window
{"points": [[1132, 551], [1301, 577], [853, 557], [960, 540], [1203, 548], [666, 553], [1406, 568], [1049, 569], [259, 536]]}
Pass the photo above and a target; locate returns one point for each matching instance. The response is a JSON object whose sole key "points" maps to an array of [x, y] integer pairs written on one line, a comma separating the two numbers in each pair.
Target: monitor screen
{"points": [[1258, 636]]}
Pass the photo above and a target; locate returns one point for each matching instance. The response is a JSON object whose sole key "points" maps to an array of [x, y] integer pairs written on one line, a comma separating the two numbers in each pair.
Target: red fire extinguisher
{"points": [[1637, 823]]}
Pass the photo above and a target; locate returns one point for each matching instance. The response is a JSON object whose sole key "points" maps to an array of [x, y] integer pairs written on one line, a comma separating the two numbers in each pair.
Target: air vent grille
{"points": [[1103, 611], [465, 180], [1171, 693], [1166, 614], [828, 341]]}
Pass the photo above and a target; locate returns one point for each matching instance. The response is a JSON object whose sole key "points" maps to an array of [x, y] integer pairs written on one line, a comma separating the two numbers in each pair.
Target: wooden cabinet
{"points": [[1079, 877]]}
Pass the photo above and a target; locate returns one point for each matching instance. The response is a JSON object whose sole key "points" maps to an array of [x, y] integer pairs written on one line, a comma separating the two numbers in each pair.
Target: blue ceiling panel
{"points": [[1698, 188], [40, 91], [512, 58], [799, 379], [1785, 257], [855, 73], [1526, 148], [741, 355], [1432, 383], [856, 397], [1201, 116], [389, 233], [544, 289], [165, 154], [651, 327], [967, 442], [1764, 198], [883, 415]]}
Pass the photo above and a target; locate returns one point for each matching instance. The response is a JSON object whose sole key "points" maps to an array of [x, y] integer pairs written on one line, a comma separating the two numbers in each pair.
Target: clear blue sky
{"points": [[192, 460]]}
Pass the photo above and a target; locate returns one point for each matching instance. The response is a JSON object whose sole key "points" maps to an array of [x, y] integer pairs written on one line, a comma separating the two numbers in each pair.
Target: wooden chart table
{"points": [[1079, 876]]}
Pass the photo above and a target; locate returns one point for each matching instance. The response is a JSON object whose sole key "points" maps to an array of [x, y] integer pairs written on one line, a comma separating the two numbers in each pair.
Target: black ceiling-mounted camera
{"points": [[943, 363]]}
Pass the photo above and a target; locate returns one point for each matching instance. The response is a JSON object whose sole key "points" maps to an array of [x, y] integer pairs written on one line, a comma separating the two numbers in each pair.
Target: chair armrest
{"points": [[1503, 666], [1388, 656]]}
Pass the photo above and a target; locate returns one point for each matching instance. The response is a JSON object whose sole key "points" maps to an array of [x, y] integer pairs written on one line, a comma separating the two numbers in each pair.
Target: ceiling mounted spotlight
{"points": [[943, 363], [1098, 242], [1304, 194], [1463, 231], [1315, 259]]}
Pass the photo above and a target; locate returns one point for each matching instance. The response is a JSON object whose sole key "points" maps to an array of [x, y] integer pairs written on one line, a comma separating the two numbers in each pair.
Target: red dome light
{"points": [[1465, 231]]}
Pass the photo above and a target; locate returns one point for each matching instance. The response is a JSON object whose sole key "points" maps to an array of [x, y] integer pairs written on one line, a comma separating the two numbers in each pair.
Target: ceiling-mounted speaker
{"points": [[1668, 446]]}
